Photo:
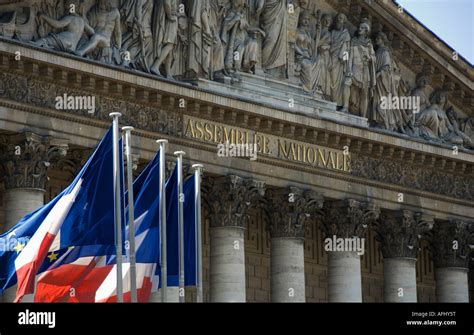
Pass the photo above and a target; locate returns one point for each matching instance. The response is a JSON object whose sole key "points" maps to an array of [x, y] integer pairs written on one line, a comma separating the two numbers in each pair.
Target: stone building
{"points": [[363, 121]]}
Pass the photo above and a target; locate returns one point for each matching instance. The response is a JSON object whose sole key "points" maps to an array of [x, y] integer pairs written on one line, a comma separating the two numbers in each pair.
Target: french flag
{"points": [[87, 273], [147, 237], [66, 237], [147, 240]]}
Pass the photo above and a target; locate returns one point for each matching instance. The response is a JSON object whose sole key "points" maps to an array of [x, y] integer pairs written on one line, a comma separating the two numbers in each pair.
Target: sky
{"points": [[451, 20]]}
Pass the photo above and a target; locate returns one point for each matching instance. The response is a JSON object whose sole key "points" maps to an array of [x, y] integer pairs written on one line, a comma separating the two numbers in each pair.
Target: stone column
{"points": [[450, 246], [345, 222], [25, 159], [287, 211], [399, 233], [229, 200]]}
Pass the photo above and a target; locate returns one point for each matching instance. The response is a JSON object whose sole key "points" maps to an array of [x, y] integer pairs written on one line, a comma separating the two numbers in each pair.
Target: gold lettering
{"points": [[208, 130], [229, 136], [266, 145], [282, 150], [257, 141], [240, 137], [217, 134], [313, 160], [293, 151], [321, 159], [285, 148], [332, 159], [347, 163], [199, 129], [190, 128]]}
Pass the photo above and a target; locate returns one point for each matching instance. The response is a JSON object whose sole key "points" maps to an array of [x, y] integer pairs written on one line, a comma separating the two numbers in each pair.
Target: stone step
{"points": [[277, 94]]}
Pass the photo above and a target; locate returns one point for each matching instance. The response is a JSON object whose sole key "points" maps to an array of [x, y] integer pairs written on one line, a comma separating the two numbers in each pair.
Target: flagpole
{"points": [[179, 155], [131, 214], [197, 205], [117, 211], [162, 213]]}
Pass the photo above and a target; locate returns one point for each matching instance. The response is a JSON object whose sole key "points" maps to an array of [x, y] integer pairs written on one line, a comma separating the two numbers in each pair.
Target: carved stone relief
{"points": [[288, 40]]}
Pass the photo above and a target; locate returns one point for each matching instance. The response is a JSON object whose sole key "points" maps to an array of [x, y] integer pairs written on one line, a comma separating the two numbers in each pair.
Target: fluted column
{"points": [[287, 211], [399, 233], [229, 200], [25, 159], [450, 246], [346, 220]]}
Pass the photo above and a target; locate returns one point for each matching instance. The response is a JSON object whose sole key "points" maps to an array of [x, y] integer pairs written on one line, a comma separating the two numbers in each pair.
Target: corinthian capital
{"points": [[230, 198], [399, 232], [26, 157], [288, 209], [451, 243], [348, 218]]}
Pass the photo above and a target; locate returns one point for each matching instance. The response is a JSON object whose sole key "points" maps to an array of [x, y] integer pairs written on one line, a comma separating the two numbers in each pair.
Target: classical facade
{"points": [[362, 189]]}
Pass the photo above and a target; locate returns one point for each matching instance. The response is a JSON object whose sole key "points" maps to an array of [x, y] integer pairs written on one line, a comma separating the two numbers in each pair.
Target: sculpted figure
{"points": [[386, 88], [433, 123], [323, 69], [138, 40], [258, 5], [73, 27], [216, 14], [200, 38], [420, 92], [19, 20], [468, 126], [165, 35], [180, 52], [233, 36], [361, 71], [340, 46], [273, 21], [206, 52], [468, 142], [304, 55], [52, 9], [105, 19], [251, 49]]}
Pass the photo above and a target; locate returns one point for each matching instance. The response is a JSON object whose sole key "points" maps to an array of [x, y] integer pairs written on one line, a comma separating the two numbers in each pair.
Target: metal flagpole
{"points": [[131, 216], [197, 205], [162, 213], [179, 155], [118, 208]]}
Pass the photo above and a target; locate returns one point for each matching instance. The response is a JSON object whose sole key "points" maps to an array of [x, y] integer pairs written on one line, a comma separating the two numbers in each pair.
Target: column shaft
{"points": [[450, 246], [287, 270], [452, 285], [399, 279], [19, 202], [344, 277], [227, 277]]}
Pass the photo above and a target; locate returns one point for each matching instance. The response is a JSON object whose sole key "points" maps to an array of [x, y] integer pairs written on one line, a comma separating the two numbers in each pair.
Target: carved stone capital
{"points": [[288, 209], [230, 197], [399, 232], [74, 160], [26, 157], [348, 218], [451, 243]]}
